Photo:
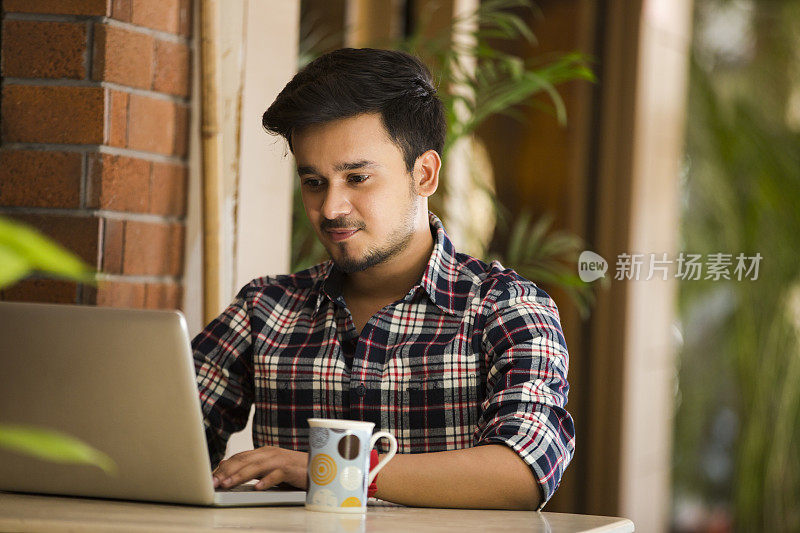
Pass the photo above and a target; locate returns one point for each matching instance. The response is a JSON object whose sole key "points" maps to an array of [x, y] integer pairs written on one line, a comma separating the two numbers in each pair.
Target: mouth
{"points": [[339, 235]]}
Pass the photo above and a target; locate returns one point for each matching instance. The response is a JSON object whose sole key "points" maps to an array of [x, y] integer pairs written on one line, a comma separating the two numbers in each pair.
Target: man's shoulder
{"points": [[302, 283], [495, 280], [514, 304]]}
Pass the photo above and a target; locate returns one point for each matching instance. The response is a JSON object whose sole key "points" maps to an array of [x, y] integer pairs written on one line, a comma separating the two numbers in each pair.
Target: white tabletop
{"points": [[21, 512]]}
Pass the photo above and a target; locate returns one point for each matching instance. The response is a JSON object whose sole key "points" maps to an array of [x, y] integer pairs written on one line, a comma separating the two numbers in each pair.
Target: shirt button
{"points": [[361, 390]]}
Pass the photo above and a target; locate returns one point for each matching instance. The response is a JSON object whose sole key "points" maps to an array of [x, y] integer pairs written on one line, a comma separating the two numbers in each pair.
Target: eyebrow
{"points": [[339, 167]]}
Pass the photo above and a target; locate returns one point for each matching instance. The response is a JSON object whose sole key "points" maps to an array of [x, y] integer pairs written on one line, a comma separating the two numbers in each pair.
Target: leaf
{"points": [[537, 234], [517, 235], [560, 244], [54, 446], [25, 250], [12, 266]]}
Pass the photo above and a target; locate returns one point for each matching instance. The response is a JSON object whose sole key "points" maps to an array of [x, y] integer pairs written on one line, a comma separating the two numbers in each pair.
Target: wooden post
{"points": [[211, 140]]}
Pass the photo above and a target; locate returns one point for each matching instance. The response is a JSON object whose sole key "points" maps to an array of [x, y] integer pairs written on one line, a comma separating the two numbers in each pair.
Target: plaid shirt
{"points": [[474, 354]]}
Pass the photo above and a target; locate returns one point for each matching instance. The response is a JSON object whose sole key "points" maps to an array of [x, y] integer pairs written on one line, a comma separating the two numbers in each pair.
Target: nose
{"points": [[335, 203]]}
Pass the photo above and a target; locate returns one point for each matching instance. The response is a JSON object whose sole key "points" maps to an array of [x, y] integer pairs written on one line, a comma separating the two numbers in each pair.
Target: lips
{"points": [[338, 235]]}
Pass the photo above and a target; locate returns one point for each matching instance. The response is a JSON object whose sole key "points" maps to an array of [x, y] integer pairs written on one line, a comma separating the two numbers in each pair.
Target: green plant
{"points": [[53, 446], [739, 376], [476, 80], [24, 251], [548, 256]]}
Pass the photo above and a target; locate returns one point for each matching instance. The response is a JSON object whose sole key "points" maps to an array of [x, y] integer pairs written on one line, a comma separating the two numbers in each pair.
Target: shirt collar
{"points": [[438, 280]]}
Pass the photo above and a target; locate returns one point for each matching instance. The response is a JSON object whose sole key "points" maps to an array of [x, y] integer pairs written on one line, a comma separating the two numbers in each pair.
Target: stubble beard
{"points": [[396, 243]]}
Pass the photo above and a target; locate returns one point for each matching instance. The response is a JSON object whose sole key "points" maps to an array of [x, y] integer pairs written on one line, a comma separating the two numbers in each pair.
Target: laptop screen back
{"points": [[120, 380]]}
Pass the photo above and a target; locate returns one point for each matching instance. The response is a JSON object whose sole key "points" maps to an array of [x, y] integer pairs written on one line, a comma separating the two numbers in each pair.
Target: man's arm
{"points": [[223, 367], [484, 477], [527, 360]]}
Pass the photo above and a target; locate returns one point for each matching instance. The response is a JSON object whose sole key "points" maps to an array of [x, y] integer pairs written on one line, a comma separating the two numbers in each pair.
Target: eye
{"points": [[312, 183], [359, 178]]}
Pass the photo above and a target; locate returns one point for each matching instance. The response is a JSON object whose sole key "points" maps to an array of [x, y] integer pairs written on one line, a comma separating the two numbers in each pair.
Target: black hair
{"points": [[351, 81]]}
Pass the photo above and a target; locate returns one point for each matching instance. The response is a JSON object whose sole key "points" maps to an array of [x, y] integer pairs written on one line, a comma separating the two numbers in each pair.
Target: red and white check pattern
{"points": [[474, 354]]}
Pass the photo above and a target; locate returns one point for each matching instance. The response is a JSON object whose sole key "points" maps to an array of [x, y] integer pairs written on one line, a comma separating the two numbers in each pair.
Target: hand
{"points": [[272, 464]]}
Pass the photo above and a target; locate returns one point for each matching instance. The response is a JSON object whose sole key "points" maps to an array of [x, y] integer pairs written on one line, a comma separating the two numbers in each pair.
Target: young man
{"points": [[464, 362]]}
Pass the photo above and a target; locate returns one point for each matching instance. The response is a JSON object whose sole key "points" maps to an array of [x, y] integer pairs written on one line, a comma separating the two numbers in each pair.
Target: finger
{"points": [[271, 479], [216, 475], [227, 467], [257, 468]]}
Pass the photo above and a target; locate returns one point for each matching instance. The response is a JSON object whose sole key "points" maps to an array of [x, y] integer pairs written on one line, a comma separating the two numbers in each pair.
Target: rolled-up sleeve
{"points": [[223, 363], [526, 386]]}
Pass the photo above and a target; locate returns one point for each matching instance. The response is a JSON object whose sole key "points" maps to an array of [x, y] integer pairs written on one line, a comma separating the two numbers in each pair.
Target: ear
{"points": [[426, 173]]}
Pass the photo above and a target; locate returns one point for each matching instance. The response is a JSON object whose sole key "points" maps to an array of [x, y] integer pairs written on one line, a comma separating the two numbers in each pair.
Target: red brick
{"points": [[166, 15], [118, 119], [33, 49], [121, 10], [70, 115], [186, 18], [177, 238], [80, 235], [122, 56], [58, 7], [181, 130], [171, 68], [40, 179], [153, 249], [113, 239], [163, 296], [120, 294], [118, 183], [41, 291], [168, 189], [157, 125]]}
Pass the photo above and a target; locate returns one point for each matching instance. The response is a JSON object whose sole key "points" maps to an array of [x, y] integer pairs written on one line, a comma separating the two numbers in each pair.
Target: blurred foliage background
{"points": [[737, 424]]}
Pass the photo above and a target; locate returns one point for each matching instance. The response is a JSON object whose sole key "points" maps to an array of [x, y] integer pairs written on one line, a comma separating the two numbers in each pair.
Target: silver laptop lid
{"points": [[122, 381]]}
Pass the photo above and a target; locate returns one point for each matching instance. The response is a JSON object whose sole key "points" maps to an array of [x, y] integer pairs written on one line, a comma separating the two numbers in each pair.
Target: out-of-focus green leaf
{"points": [[546, 257], [53, 446], [739, 362], [12, 266], [23, 250]]}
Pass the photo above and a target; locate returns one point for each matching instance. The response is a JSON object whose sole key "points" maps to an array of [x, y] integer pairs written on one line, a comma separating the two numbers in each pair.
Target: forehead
{"points": [[362, 137]]}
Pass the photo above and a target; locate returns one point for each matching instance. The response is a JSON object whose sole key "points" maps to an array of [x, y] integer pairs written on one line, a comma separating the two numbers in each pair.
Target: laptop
{"points": [[122, 381]]}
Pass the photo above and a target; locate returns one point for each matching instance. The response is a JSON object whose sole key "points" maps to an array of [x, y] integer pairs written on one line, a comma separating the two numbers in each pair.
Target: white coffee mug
{"points": [[338, 464]]}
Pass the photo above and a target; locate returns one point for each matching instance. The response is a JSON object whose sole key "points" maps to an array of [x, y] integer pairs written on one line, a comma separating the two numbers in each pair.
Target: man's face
{"points": [[356, 190]]}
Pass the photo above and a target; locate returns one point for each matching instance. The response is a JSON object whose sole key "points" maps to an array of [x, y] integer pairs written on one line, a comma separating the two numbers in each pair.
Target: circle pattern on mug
{"points": [[325, 498], [318, 437], [348, 447], [351, 478], [352, 501], [323, 469]]}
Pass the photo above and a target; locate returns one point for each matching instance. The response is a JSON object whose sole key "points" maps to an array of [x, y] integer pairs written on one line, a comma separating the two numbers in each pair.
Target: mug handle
{"points": [[392, 452]]}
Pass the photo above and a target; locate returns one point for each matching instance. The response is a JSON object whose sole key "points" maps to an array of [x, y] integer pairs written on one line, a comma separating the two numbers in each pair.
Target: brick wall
{"points": [[93, 141]]}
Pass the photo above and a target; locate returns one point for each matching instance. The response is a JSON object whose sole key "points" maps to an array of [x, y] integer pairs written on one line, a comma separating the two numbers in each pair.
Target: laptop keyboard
{"points": [[249, 487]]}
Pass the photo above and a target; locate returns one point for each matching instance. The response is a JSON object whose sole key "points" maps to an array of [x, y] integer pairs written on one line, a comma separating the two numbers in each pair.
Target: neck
{"points": [[394, 278]]}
